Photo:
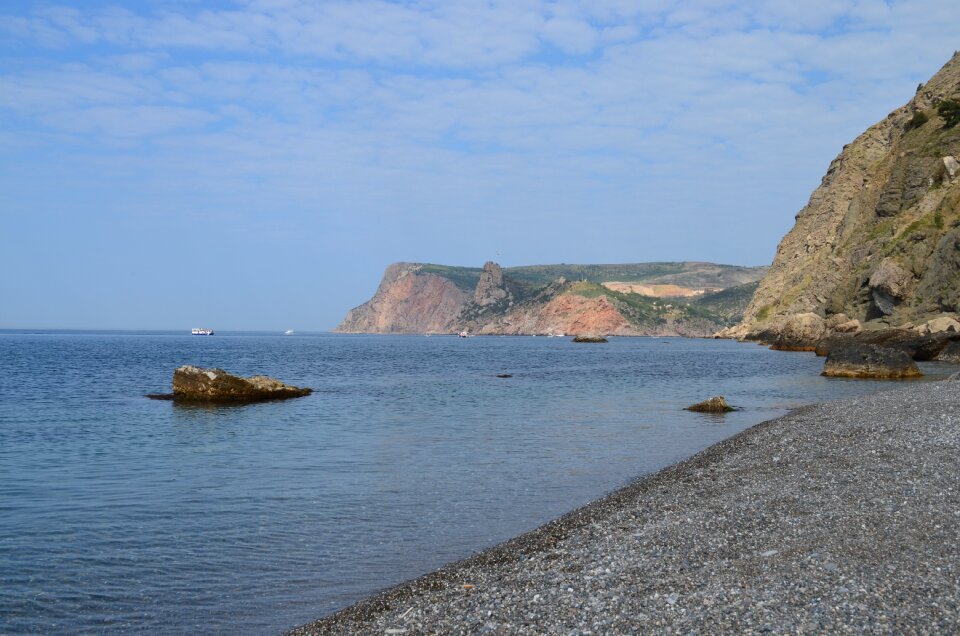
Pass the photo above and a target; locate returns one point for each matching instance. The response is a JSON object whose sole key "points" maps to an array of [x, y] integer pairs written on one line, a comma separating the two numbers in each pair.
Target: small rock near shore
{"points": [[197, 384], [855, 360], [716, 404], [590, 339]]}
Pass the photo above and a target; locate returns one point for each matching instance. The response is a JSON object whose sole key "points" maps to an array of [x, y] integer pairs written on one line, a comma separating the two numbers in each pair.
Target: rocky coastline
{"points": [[837, 517]]}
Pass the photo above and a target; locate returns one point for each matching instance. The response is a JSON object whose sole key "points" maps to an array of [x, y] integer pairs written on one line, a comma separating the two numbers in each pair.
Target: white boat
{"points": [[200, 331], [463, 334], [288, 332]]}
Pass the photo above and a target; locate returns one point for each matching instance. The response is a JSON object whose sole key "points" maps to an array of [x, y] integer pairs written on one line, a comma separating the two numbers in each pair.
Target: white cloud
{"points": [[637, 113]]}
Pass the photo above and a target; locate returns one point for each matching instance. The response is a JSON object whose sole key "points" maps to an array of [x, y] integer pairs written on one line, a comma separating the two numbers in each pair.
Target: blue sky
{"points": [[256, 164]]}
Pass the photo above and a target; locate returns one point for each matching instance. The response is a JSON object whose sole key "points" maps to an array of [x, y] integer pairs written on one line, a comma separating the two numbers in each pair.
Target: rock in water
{"points": [[856, 360], [590, 339], [716, 404], [216, 385]]}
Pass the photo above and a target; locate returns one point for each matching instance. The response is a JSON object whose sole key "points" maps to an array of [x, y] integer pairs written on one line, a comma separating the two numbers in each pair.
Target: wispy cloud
{"points": [[383, 117]]}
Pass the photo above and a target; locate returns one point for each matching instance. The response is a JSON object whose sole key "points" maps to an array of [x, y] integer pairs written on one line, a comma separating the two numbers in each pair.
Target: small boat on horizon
{"points": [[288, 332], [201, 331], [463, 334]]}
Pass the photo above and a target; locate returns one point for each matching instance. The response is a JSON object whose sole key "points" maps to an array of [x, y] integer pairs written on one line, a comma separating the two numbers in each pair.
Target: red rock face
{"points": [[574, 315], [407, 302]]}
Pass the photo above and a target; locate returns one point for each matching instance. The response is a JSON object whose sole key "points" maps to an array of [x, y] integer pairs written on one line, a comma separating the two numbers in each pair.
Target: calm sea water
{"points": [[118, 513]]}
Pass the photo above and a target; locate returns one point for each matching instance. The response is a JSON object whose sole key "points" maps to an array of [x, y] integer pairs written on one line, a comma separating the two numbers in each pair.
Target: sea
{"points": [[121, 514]]}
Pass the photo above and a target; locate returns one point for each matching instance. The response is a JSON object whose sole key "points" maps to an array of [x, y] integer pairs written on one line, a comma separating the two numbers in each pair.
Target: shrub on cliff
{"points": [[949, 109], [919, 119]]}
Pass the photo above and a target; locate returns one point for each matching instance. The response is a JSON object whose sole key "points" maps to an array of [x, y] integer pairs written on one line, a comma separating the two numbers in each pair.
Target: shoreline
{"points": [[767, 529]]}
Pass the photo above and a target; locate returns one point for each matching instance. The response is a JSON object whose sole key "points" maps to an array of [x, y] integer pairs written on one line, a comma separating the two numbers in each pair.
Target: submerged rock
{"points": [[856, 360], [589, 339], [196, 384], [716, 404]]}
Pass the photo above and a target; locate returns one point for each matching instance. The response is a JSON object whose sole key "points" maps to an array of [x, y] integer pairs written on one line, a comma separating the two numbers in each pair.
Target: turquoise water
{"points": [[119, 513]]}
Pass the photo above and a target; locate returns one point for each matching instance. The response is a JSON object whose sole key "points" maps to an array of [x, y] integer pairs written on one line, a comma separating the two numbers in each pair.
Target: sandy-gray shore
{"points": [[842, 517]]}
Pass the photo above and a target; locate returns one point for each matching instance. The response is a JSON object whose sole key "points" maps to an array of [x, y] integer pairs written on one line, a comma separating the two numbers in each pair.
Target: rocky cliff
{"points": [[878, 244], [408, 301], [693, 299]]}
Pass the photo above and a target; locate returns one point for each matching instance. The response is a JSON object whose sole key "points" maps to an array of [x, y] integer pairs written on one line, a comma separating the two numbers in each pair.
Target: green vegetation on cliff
{"points": [[463, 277]]}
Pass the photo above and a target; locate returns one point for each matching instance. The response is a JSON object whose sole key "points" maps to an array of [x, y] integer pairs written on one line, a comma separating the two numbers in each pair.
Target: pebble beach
{"points": [[840, 517]]}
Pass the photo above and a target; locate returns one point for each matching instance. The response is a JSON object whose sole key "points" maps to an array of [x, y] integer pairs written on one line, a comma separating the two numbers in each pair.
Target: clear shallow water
{"points": [[119, 513]]}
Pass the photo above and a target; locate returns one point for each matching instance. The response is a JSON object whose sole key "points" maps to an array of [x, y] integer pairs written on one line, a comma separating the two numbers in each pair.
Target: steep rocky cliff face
{"points": [[408, 301], [423, 298], [879, 240]]}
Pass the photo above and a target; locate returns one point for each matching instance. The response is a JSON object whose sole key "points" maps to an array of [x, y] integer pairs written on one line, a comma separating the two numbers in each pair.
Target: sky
{"points": [[256, 164]]}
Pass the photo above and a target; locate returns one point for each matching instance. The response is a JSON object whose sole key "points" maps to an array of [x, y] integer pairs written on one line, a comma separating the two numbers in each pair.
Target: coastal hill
{"points": [[691, 299], [879, 240]]}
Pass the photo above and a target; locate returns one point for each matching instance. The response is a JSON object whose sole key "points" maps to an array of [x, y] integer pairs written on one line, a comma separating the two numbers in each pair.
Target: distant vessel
{"points": [[199, 331], [464, 334], [288, 332]]}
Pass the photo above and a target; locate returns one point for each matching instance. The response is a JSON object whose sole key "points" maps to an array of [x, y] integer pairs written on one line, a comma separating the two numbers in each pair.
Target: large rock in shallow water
{"points": [[216, 385], [856, 360]]}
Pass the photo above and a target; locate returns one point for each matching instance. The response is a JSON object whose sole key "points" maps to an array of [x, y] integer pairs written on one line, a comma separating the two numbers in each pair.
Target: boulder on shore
{"points": [[800, 332], [716, 404], [856, 360], [950, 353], [921, 348], [589, 339], [196, 384], [941, 324]]}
